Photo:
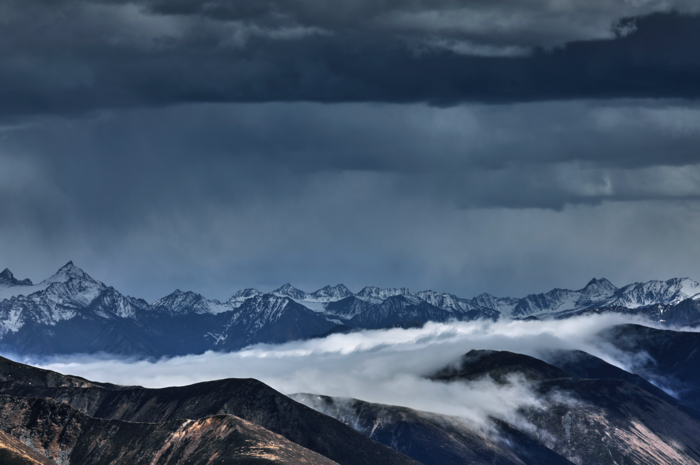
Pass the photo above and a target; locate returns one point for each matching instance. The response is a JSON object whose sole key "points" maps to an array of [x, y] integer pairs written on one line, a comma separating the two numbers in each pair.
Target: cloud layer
{"points": [[384, 366]]}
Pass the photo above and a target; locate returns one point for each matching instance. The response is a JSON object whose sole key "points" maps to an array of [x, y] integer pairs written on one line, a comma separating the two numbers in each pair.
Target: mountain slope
{"points": [[592, 421], [247, 399], [430, 438], [674, 357], [65, 435]]}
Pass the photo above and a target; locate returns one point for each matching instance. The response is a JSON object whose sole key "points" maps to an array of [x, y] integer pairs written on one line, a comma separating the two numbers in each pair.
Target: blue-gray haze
{"points": [[465, 146]]}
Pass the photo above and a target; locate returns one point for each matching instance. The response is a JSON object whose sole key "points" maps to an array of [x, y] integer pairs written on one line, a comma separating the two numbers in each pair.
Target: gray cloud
{"points": [[508, 199], [377, 366], [79, 56], [149, 141]]}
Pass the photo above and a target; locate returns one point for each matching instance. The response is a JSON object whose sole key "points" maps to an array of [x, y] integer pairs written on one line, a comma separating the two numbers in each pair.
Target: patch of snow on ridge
{"points": [[377, 295], [689, 288], [318, 307], [11, 321], [241, 296]]}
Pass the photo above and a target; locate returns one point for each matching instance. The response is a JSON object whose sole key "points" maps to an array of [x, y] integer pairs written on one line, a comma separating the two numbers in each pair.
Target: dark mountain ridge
{"points": [[246, 399], [64, 435]]}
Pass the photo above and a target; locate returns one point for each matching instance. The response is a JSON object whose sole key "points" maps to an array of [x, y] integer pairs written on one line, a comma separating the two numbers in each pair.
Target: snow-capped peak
{"points": [[182, 303], [596, 290], [287, 290], [241, 296], [84, 288], [66, 272], [671, 291], [375, 294], [602, 284], [330, 293], [687, 286], [246, 294]]}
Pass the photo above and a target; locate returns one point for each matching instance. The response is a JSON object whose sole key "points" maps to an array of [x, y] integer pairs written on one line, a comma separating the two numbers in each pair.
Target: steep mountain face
{"points": [[241, 296], [247, 399], [592, 417], [672, 291], [673, 357], [15, 452], [396, 309], [66, 436], [591, 421], [612, 419], [287, 290], [586, 366], [179, 303], [330, 294], [504, 306], [430, 438]]}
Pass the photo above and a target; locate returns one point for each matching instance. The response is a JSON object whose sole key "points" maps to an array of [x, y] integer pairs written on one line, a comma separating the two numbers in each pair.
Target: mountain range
{"points": [[70, 312]]}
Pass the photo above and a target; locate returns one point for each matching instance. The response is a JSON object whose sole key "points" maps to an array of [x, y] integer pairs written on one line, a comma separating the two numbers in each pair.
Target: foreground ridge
{"points": [[587, 411]]}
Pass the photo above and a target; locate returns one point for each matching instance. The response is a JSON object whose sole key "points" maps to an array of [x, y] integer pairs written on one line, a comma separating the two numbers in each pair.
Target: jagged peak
{"points": [[486, 295], [66, 272], [177, 293], [367, 289], [339, 290], [338, 287], [681, 280], [288, 290], [248, 292], [602, 282], [380, 293], [435, 293], [7, 278]]}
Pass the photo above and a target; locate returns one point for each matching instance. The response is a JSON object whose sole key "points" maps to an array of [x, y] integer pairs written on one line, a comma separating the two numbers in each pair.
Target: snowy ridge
{"points": [[249, 316], [241, 296], [377, 295], [189, 302]]}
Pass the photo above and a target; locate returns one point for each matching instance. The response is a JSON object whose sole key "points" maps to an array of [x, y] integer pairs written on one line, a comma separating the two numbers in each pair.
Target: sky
{"points": [[464, 146]]}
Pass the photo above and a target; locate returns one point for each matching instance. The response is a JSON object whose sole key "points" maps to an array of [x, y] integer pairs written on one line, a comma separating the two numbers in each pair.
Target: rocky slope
{"points": [[593, 421], [247, 399], [434, 439], [66, 436], [588, 412], [672, 357], [594, 416]]}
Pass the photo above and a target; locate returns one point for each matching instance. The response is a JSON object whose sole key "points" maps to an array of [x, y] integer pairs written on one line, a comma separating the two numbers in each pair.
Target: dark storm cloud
{"points": [[76, 56], [469, 146], [219, 197]]}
